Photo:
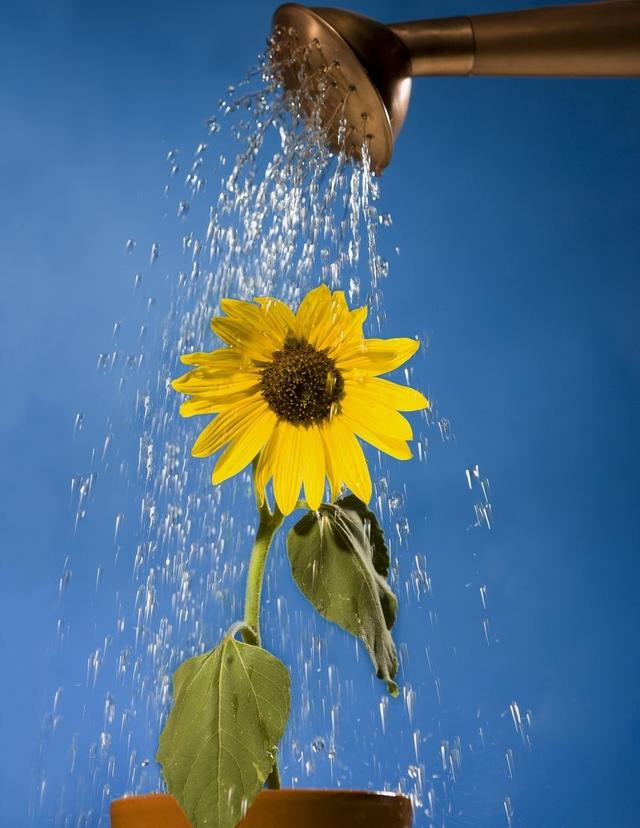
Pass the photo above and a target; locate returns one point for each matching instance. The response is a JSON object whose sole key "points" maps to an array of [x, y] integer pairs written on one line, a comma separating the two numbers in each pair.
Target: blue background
{"points": [[515, 206]]}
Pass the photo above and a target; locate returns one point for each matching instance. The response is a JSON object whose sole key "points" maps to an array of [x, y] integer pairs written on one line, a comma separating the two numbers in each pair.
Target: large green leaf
{"points": [[340, 561], [230, 709]]}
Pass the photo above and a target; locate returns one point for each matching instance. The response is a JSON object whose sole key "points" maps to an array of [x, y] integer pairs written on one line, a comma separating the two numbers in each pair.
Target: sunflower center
{"points": [[301, 384]]}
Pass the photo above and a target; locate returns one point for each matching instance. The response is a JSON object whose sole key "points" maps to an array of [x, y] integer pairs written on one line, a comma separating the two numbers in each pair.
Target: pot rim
{"points": [[345, 792], [361, 793]]}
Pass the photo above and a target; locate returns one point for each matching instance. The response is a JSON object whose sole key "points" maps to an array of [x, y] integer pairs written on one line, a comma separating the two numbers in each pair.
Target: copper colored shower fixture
{"points": [[357, 72]]}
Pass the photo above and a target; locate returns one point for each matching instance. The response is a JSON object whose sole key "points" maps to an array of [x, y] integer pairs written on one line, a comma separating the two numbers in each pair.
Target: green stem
{"points": [[269, 524]]}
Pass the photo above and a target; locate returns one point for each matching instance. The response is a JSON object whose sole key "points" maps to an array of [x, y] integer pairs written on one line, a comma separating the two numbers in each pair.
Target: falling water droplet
{"points": [[509, 811], [395, 500], [64, 581], [473, 474]]}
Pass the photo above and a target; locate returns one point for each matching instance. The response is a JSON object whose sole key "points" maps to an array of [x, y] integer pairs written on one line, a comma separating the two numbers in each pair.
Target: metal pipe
{"points": [[338, 61], [595, 39]]}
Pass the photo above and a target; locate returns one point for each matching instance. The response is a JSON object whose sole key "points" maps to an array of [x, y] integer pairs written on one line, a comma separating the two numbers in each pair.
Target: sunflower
{"points": [[296, 391]]}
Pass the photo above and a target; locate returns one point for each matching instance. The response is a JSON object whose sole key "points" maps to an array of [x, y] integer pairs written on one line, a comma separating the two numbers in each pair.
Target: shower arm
{"points": [[595, 39]]}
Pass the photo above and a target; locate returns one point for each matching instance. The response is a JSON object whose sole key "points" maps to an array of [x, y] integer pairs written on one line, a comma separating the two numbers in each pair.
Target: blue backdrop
{"points": [[516, 213]]}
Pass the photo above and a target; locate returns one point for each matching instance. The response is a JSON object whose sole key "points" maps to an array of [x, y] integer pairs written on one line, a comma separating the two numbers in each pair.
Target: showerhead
{"points": [[354, 74], [358, 74]]}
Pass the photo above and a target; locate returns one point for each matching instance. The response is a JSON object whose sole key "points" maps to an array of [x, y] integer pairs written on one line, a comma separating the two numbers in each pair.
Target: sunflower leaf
{"points": [[230, 709], [340, 561]]}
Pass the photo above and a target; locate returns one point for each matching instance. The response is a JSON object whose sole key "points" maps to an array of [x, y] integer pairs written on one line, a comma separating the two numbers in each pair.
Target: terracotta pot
{"points": [[289, 808]]}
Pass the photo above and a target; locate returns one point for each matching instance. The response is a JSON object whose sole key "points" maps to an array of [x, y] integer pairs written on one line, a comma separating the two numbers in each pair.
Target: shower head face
{"points": [[349, 71]]}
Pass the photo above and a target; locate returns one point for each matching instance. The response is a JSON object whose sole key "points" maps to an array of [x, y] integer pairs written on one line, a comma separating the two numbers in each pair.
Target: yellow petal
{"points": [[339, 300], [392, 394], [246, 338], [264, 468], [371, 415], [347, 458], [199, 405], [329, 461], [394, 446], [282, 460], [239, 309], [287, 466], [257, 318], [215, 384], [377, 356], [357, 318], [228, 424], [329, 322], [347, 337], [310, 307], [243, 448], [313, 472], [223, 359], [279, 315]]}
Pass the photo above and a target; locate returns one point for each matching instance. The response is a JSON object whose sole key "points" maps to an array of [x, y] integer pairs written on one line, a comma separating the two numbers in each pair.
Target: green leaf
{"points": [[230, 709], [340, 561]]}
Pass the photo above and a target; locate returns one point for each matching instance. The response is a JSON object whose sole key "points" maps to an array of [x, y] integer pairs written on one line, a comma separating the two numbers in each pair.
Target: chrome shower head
{"points": [[356, 73]]}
